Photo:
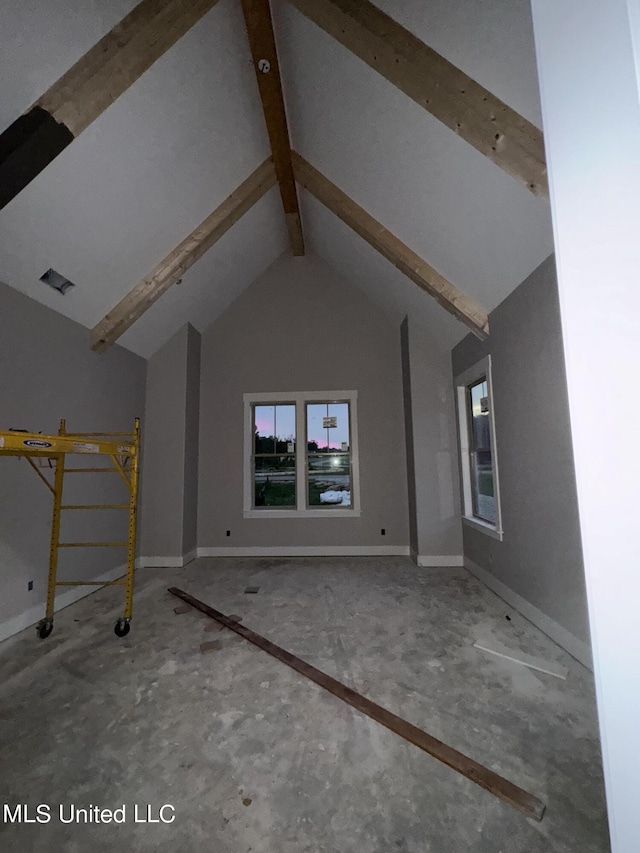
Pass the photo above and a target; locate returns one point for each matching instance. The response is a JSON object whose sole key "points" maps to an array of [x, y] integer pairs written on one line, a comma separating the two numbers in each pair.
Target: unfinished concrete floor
{"points": [[256, 758]]}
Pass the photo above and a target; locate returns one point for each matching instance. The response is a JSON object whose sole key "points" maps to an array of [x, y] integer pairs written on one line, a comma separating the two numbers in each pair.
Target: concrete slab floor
{"points": [[253, 757]]}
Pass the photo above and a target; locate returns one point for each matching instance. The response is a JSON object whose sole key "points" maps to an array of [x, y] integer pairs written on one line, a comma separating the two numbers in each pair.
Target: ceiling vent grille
{"points": [[56, 281]]}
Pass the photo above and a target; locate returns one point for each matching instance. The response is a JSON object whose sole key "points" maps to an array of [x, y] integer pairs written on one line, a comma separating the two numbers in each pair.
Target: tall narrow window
{"points": [[274, 455], [478, 458], [482, 491], [328, 455]]}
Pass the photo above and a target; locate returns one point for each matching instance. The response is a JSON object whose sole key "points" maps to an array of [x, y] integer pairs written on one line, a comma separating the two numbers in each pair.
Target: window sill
{"points": [[302, 513], [483, 526]]}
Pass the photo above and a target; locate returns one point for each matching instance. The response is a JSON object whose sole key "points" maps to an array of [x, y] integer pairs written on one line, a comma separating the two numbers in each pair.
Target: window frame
{"points": [[463, 382], [300, 400]]}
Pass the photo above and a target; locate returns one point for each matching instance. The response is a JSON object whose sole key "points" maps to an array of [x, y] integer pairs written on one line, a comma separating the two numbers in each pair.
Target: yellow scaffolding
{"points": [[123, 449]]}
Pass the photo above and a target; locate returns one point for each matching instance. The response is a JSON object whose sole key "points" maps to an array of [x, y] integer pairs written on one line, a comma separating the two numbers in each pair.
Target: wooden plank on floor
{"points": [[467, 767], [493, 647]]}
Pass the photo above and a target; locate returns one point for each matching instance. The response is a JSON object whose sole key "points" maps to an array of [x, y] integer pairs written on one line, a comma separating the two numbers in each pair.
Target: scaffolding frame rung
{"points": [[92, 583], [92, 544], [95, 506]]}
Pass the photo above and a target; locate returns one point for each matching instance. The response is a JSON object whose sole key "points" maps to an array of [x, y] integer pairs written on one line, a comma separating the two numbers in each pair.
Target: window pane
{"points": [[285, 428], [264, 425], [275, 481], [484, 502], [275, 428], [327, 427], [329, 480]]}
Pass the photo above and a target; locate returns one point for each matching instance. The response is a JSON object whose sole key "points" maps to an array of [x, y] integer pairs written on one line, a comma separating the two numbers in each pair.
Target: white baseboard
{"points": [[578, 649], [446, 561], [167, 562], [307, 551], [36, 613]]}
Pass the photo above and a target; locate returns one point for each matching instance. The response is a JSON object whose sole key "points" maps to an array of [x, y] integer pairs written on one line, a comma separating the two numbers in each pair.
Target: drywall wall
{"points": [[589, 60], [170, 459], [432, 466], [192, 438], [540, 557], [300, 327], [48, 372]]}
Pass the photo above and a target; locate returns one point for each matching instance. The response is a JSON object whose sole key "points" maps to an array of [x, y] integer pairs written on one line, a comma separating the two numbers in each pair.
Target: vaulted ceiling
{"points": [[191, 129]]}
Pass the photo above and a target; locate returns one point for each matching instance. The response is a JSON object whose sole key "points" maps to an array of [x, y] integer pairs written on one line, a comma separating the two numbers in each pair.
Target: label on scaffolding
{"points": [[124, 449], [36, 442], [1, 441], [84, 447]]}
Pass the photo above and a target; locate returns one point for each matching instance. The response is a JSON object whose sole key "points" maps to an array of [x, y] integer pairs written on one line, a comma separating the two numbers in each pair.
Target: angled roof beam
{"points": [[177, 262], [471, 111], [393, 249], [257, 15], [90, 86]]}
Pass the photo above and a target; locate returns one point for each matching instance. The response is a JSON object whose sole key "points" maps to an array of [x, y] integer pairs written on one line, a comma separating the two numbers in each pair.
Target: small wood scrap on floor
{"points": [[212, 646], [493, 647], [182, 608], [251, 590]]}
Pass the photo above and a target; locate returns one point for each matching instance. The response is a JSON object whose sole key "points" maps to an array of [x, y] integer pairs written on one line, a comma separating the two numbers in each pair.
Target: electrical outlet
{"points": [[383, 532], [228, 533], [30, 585]]}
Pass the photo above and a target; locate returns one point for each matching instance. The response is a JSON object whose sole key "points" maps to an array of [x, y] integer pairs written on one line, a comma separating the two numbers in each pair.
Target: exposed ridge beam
{"points": [[257, 15], [393, 249], [177, 262], [90, 86], [484, 121]]}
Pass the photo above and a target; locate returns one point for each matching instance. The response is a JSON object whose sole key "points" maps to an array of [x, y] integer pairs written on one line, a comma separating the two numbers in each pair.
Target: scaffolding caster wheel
{"points": [[122, 628], [44, 628]]}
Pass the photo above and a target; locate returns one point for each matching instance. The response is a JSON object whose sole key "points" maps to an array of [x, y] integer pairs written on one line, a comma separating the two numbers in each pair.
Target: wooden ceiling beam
{"points": [[90, 86], [257, 15], [393, 249], [484, 121], [177, 262]]}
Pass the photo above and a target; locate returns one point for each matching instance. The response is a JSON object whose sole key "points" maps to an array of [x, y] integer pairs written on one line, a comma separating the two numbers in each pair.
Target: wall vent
{"points": [[56, 281]]}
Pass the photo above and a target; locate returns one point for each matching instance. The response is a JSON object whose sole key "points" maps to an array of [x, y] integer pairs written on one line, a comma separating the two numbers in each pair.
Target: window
{"points": [[301, 455], [480, 492]]}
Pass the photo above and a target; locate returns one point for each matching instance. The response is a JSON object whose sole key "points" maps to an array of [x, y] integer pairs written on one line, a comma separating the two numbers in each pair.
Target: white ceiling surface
{"points": [[475, 224], [217, 279], [358, 262], [141, 177], [158, 161]]}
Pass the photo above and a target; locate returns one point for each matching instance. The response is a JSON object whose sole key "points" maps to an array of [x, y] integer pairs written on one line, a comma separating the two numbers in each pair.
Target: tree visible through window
{"points": [[274, 457]]}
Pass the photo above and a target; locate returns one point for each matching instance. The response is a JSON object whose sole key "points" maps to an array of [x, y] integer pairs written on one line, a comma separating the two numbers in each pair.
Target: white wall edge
{"points": [[166, 562], [448, 561], [35, 613], [307, 551], [578, 649]]}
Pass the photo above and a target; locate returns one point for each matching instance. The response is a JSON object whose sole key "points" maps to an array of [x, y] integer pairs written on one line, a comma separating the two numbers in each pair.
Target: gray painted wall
{"points": [[48, 372], [434, 497], [192, 438], [300, 327], [540, 558], [170, 458]]}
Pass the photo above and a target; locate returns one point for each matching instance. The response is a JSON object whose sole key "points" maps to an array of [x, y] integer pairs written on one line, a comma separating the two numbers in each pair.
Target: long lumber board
{"points": [[467, 767]]}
